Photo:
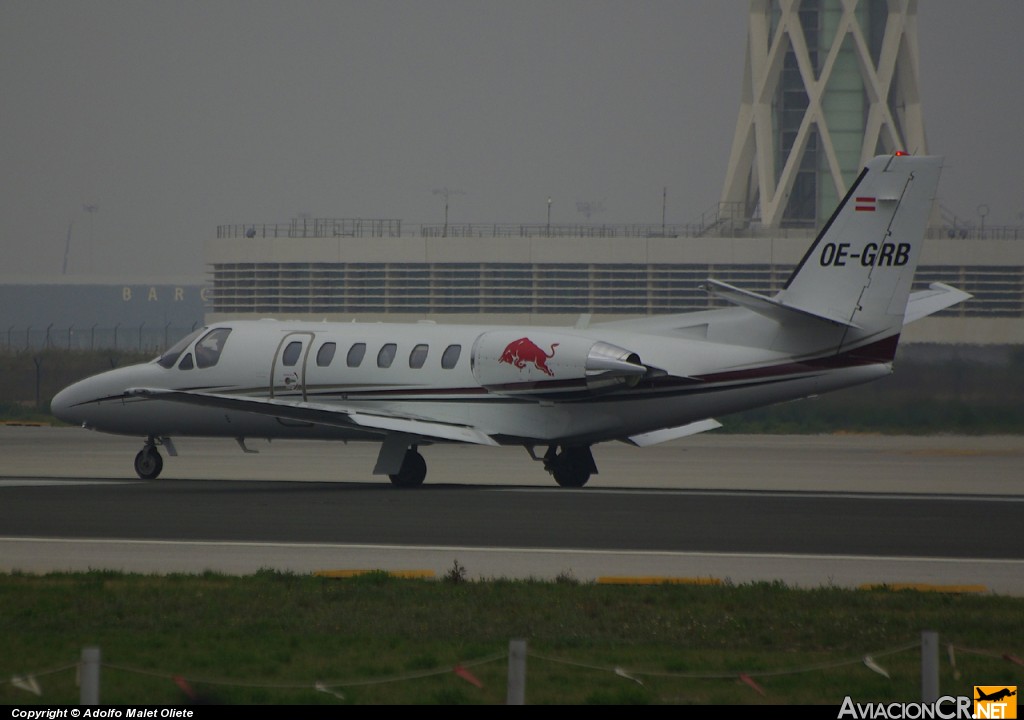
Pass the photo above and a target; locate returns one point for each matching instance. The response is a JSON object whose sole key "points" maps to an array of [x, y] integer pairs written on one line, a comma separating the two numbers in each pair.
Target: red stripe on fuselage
{"points": [[882, 351]]}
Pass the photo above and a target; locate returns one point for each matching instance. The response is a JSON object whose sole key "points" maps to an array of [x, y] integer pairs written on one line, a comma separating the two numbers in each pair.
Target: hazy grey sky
{"points": [[174, 117]]}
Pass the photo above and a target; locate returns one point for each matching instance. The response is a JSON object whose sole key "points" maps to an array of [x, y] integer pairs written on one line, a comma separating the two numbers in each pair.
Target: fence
{"points": [[144, 337], [89, 668]]}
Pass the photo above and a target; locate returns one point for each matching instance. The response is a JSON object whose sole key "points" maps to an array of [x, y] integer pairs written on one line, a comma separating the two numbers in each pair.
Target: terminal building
{"points": [[99, 313], [827, 84], [540, 275]]}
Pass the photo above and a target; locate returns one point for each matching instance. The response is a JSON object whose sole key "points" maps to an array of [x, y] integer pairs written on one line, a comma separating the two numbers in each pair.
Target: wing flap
{"points": [[423, 428], [660, 436], [322, 414]]}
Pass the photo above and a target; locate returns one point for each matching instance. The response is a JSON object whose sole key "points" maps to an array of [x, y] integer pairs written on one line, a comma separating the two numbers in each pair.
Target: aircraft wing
{"points": [[938, 296], [423, 428], [323, 414]]}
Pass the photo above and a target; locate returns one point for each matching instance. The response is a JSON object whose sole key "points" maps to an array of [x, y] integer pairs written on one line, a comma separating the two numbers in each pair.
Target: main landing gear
{"points": [[413, 471], [572, 466]]}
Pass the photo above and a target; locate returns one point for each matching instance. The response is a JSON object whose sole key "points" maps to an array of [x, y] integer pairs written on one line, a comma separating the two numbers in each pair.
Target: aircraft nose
{"points": [[97, 402], [66, 405]]}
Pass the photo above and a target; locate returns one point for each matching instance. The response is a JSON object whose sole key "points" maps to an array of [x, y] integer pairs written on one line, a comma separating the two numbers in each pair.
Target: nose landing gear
{"points": [[149, 462]]}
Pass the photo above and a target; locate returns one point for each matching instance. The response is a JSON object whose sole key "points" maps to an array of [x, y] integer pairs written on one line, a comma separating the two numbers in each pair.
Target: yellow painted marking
{"points": [[656, 580], [925, 587], [954, 452]]}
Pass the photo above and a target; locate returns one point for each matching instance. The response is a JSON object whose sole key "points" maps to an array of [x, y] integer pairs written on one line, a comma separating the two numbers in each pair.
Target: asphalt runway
{"points": [[840, 510]]}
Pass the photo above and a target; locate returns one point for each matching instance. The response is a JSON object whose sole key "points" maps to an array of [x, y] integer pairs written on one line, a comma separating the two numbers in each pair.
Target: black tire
{"points": [[571, 475], [148, 463], [572, 467], [413, 471]]}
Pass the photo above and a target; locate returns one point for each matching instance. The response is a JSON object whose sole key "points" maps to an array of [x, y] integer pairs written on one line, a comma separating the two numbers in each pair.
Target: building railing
{"points": [[996, 232], [561, 230], [315, 228], [725, 220]]}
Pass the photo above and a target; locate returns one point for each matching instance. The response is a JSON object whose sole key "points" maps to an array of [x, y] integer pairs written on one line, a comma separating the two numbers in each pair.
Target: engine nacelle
{"points": [[543, 363]]}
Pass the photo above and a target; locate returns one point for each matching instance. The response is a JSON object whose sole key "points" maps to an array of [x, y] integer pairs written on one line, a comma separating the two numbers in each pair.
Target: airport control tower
{"points": [[827, 84]]}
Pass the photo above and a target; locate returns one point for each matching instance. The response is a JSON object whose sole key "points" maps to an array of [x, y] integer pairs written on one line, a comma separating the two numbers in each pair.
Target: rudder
{"points": [[859, 269]]}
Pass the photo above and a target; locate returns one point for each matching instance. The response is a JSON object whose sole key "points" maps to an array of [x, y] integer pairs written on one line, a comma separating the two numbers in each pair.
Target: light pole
{"points": [[446, 192], [549, 216], [67, 248], [91, 209], [664, 202]]}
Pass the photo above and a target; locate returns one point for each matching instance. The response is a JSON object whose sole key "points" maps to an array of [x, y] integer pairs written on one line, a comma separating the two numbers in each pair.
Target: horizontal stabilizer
{"points": [[769, 307], [660, 436], [938, 297], [322, 414]]}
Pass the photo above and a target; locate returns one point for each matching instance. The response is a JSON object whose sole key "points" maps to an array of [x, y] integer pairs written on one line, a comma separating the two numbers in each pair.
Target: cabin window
{"points": [[325, 354], [386, 356], [209, 348], [418, 356], [355, 355], [186, 362], [291, 353], [450, 358]]}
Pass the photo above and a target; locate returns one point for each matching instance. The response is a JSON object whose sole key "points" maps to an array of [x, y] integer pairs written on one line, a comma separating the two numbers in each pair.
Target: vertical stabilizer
{"points": [[860, 268]]}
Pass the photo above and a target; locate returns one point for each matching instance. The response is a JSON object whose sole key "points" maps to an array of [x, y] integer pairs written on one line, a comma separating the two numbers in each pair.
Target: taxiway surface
{"points": [[807, 510]]}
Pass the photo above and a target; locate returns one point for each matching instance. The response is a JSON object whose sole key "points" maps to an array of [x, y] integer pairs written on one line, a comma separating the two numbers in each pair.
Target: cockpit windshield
{"points": [[208, 349], [170, 355]]}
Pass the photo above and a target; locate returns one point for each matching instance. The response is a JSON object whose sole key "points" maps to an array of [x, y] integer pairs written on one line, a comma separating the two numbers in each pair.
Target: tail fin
{"points": [[859, 270]]}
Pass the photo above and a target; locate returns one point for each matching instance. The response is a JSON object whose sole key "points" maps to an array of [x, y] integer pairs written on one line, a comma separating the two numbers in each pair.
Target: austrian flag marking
{"points": [[865, 204]]}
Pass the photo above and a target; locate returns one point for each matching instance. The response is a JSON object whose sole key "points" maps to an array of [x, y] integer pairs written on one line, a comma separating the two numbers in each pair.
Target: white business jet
{"points": [[836, 323]]}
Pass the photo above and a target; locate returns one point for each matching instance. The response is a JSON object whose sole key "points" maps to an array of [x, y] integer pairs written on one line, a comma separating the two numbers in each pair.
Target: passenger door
{"points": [[288, 372]]}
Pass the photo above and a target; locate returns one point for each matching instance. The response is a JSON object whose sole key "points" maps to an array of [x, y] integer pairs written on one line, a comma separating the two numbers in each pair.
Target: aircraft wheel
{"points": [[148, 463], [413, 471], [571, 475], [571, 467]]}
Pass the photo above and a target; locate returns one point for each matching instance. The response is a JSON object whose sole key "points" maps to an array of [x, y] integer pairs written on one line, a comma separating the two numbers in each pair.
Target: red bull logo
{"points": [[522, 351]]}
